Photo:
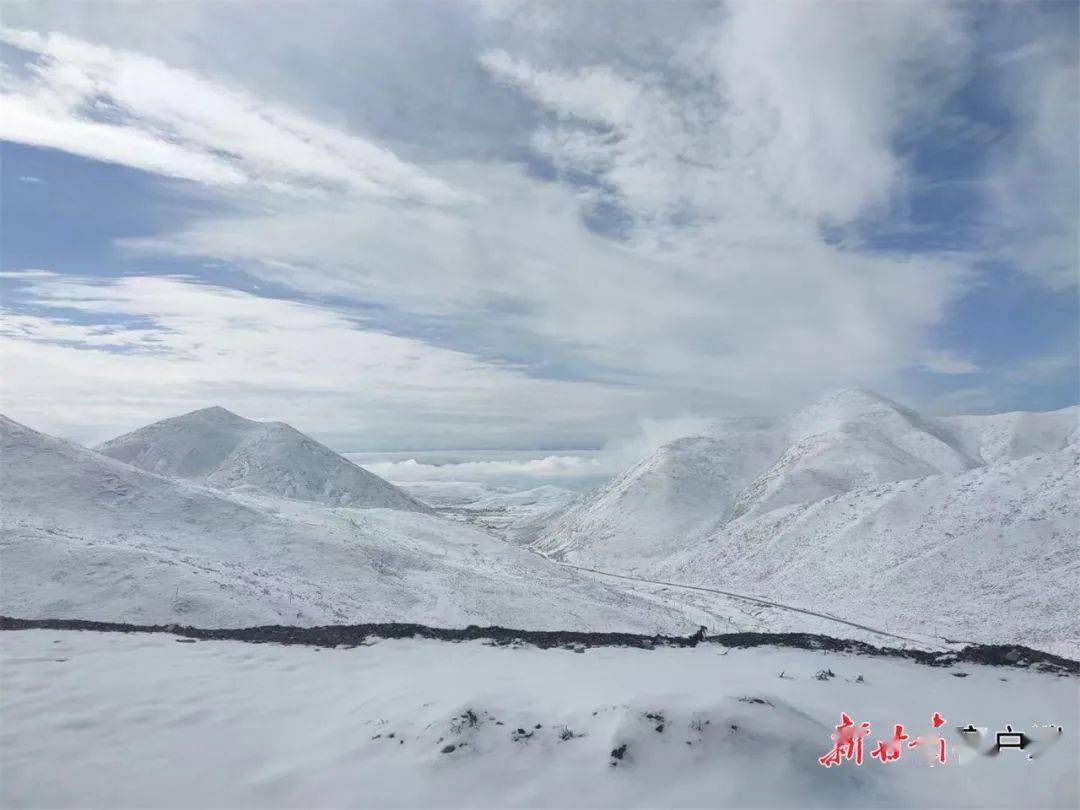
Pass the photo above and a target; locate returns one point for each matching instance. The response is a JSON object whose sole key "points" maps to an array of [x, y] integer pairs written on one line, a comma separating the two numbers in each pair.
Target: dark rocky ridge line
{"points": [[353, 635]]}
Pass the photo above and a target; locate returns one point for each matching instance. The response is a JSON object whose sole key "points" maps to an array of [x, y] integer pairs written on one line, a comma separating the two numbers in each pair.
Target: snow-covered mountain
{"points": [[850, 439], [1003, 436], [991, 554], [216, 447], [857, 506], [689, 487], [87, 536]]}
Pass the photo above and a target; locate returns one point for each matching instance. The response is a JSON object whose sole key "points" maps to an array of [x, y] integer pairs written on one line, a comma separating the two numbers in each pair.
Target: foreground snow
{"points": [[101, 719]]}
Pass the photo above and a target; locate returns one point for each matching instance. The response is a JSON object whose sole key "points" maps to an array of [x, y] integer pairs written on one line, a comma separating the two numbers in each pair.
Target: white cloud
{"points": [[1034, 188], [775, 115], [122, 107], [942, 361], [26, 273], [596, 94], [553, 466], [724, 320], [143, 348], [721, 148]]}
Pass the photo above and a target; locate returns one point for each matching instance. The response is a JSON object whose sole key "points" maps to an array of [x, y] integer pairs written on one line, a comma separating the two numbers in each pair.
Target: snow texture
{"points": [[114, 720]]}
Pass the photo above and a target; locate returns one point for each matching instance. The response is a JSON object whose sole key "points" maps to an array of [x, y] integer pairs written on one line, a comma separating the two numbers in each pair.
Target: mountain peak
{"points": [[855, 394], [215, 413], [848, 404], [218, 448]]}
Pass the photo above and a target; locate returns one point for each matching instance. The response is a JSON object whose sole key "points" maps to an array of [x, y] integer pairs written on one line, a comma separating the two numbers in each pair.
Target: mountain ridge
{"points": [[858, 506], [89, 536], [221, 449]]}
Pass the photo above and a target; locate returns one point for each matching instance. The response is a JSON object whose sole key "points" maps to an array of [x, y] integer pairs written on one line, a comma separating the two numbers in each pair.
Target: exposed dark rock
{"points": [[757, 700], [356, 634]]}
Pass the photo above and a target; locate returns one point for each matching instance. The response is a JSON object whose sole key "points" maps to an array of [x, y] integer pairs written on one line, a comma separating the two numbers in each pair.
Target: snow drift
{"points": [[416, 723]]}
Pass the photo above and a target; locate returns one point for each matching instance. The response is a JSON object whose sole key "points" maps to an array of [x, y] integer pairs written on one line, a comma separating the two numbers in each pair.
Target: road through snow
{"points": [[758, 601]]}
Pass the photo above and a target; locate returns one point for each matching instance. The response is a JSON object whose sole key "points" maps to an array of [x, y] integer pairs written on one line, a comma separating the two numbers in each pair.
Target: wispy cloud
{"points": [[769, 117], [27, 273], [1033, 181], [122, 107], [942, 361], [670, 212], [93, 356]]}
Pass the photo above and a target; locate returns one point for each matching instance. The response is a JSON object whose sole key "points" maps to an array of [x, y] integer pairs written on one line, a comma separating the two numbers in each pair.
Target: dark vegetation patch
{"points": [[757, 700], [468, 719], [355, 635]]}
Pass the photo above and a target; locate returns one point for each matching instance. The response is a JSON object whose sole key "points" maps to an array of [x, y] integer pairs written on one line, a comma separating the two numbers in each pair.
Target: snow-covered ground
{"points": [[518, 517], [856, 509], [991, 555], [967, 528], [111, 720]]}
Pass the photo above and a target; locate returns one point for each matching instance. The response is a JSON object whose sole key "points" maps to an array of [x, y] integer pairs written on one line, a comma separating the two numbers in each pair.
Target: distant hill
{"points": [[860, 507], [747, 467], [90, 537], [216, 447]]}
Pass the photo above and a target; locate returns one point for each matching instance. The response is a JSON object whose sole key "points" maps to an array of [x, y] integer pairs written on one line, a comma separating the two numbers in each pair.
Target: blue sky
{"points": [[406, 225]]}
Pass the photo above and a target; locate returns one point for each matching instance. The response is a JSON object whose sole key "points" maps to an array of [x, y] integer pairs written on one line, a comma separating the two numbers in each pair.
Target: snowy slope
{"points": [[91, 718], [87, 536], [849, 439], [517, 517], [216, 447], [988, 555], [858, 507], [686, 488], [1003, 436], [680, 491]]}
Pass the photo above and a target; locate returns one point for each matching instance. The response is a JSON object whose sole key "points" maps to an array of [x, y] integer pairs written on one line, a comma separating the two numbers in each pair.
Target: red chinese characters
{"points": [[847, 743], [889, 751], [934, 745]]}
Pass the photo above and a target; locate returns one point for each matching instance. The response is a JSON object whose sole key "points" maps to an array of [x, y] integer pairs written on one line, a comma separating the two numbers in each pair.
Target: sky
{"points": [[404, 225]]}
